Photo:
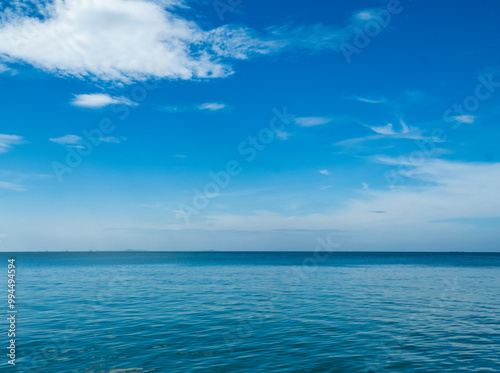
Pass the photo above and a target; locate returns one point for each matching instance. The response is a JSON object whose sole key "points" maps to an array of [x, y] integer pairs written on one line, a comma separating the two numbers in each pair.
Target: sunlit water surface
{"points": [[139, 312]]}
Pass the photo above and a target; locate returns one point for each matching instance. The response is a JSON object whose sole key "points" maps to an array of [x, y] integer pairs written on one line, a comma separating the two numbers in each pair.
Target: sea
{"points": [[138, 312]]}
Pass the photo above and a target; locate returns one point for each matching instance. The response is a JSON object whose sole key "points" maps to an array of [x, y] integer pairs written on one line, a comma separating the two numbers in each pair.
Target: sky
{"points": [[249, 125]]}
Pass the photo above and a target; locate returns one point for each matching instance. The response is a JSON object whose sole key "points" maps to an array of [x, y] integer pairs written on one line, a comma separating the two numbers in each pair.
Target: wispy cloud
{"points": [[173, 108], [324, 172], [113, 139], [283, 135], [100, 100], [19, 181], [312, 121], [412, 133], [211, 106], [6, 142], [388, 132], [12, 186], [3, 68], [402, 160], [206, 107], [405, 214], [75, 141], [468, 119], [317, 37], [369, 100], [67, 140]]}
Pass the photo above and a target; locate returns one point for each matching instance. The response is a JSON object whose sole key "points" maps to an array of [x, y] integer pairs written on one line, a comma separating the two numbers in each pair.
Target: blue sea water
{"points": [[138, 312]]}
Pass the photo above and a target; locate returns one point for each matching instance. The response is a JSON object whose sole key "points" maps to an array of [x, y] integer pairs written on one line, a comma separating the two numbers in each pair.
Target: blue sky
{"points": [[375, 122]]}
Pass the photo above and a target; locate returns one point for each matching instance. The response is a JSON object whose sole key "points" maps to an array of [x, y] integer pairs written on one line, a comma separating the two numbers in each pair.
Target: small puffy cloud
{"points": [[312, 121], [324, 172], [100, 100], [469, 119], [211, 106], [365, 15], [67, 140], [6, 142]]}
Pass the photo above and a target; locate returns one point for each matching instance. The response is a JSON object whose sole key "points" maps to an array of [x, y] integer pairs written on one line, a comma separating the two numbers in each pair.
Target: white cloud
{"points": [[67, 140], [372, 100], [324, 172], [385, 130], [123, 40], [6, 142], [450, 190], [283, 135], [99, 100], [388, 131], [113, 139], [130, 40], [365, 185], [312, 121], [207, 106], [365, 15], [316, 37], [392, 161], [211, 106], [238, 42], [74, 141], [12, 186], [469, 119]]}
